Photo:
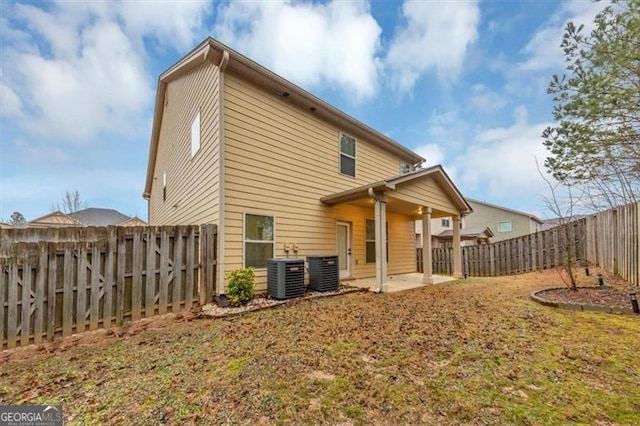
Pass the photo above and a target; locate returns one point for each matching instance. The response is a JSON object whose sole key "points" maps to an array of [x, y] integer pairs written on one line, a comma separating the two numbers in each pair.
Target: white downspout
{"points": [[224, 61]]}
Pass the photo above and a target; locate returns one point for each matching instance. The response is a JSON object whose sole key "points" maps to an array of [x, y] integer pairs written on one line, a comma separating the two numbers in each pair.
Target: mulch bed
{"points": [[263, 301], [605, 296]]}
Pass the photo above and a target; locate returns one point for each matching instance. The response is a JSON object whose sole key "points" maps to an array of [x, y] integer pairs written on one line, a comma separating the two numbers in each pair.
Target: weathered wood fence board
{"points": [[92, 278], [614, 241], [609, 239]]}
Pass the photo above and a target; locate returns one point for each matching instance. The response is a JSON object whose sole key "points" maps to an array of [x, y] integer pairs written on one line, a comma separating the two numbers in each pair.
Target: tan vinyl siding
{"points": [[428, 193], [487, 216], [192, 183], [280, 160]]}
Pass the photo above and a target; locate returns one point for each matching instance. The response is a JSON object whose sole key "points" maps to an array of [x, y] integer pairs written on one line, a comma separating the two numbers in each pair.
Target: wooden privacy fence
{"points": [[613, 241], [609, 239], [542, 250], [90, 278]]}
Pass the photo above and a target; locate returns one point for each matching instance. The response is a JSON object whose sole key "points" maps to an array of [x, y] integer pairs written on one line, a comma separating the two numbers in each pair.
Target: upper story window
{"points": [[404, 168], [347, 155], [446, 223], [504, 226], [195, 135]]}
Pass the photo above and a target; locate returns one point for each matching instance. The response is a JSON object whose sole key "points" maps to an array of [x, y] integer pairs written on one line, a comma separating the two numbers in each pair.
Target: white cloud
{"points": [[10, 104], [171, 22], [504, 159], [485, 100], [543, 50], [42, 152], [436, 37], [105, 86], [332, 44], [433, 153], [81, 69]]}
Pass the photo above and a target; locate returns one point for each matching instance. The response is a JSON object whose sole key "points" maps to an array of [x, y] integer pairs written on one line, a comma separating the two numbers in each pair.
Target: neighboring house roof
{"points": [[211, 50], [4, 225], [471, 233], [56, 218], [92, 216], [99, 217], [530, 216], [557, 221], [437, 172], [134, 221]]}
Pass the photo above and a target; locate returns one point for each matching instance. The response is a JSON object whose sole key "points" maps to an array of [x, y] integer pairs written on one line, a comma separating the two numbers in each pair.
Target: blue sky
{"points": [[463, 83]]}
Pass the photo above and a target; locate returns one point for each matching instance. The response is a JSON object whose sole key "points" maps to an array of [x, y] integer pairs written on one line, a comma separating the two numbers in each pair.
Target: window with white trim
{"points": [[259, 241], [446, 223], [347, 155], [504, 226], [195, 135], [370, 241]]}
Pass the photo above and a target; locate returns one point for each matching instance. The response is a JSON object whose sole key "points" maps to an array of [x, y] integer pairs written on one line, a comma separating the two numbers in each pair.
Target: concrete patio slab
{"points": [[398, 282]]}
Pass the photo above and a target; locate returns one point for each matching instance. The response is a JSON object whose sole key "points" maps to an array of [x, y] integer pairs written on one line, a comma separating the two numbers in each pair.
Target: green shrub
{"points": [[241, 286]]}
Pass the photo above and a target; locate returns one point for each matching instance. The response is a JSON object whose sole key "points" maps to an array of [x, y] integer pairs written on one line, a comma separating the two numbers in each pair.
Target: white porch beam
{"points": [[427, 266], [381, 243], [457, 250]]}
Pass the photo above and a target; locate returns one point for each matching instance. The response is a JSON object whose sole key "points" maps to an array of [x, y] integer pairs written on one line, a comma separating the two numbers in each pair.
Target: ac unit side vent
{"points": [[285, 278], [324, 272]]}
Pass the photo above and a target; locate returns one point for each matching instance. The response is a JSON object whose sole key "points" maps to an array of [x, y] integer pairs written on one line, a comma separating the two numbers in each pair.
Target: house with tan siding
{"points": [[505, 222], [488, 221], [284, 174]]}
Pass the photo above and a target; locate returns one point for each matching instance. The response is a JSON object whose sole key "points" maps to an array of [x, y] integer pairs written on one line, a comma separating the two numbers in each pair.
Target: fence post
{"points": [[4, 282], [177, 271], [51, 290], [192, 241], [137, 281], [150, 274], [164, 270], [25, 318], [120, 272], [67, 290]]}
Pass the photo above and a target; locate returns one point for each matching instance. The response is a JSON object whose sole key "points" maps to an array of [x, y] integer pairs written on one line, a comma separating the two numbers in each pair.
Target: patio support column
{"points": [[457, 251], [381, 243], [427, 266]]}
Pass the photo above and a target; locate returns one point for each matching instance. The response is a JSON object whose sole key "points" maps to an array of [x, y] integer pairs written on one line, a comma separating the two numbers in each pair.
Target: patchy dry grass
{"points": [[475, 351]]}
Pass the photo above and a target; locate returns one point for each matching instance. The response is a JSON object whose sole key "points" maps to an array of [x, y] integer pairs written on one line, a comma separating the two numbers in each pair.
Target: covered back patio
{"points": [[399, 282], [423, 194]]}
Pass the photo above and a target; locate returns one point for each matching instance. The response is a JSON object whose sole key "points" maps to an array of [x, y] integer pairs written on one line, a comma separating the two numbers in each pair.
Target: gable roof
{"points": [[468, 232], [99, 217], [92, 216], [495, 206], [55, 218], [389, 184], [211, 50]]}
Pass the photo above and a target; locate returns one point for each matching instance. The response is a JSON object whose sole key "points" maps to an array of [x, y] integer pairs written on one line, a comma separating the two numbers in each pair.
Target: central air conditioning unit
{"points": [[285, 278], [324, 272]]}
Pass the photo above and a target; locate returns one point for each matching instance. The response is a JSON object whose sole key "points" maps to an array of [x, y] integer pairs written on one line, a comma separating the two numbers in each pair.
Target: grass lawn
{"points": [[474, 351]]}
